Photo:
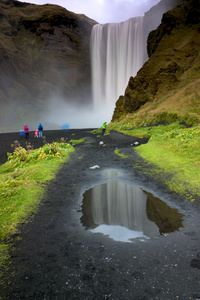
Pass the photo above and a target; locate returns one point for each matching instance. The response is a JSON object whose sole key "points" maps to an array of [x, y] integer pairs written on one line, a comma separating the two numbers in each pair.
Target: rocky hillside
{"points": [[44, 52], [167, 87]]}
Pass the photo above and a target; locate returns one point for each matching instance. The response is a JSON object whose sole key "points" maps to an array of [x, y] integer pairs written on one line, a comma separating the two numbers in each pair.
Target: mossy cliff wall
{"points": [[174, 60]]}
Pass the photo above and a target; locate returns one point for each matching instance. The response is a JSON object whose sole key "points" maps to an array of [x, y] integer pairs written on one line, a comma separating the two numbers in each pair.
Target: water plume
{"points": [[117, 52], [77, 115]]}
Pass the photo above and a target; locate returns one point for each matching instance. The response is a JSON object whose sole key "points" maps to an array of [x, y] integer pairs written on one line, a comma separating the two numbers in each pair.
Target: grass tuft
{"points": [[120, 154]]}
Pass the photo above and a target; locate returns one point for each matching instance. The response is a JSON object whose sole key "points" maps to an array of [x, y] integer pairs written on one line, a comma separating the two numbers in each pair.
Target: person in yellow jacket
{"points": [[104, 128]]}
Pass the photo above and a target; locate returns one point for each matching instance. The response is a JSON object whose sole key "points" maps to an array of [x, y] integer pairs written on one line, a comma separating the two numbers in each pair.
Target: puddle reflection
{"points": [[125, 212], [112, 173]]}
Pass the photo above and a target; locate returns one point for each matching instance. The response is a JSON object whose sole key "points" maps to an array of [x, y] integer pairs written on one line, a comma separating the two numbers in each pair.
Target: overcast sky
{"points": [[104, 11]]}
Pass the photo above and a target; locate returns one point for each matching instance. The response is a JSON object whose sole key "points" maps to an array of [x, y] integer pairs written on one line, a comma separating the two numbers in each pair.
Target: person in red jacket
{"points": [[26, 130]]}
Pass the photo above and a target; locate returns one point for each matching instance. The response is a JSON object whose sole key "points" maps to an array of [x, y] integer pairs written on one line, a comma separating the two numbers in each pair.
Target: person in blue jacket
{"points": [[40, 128]]}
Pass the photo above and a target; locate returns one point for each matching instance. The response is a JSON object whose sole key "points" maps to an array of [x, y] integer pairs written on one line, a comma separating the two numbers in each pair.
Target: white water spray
{"points": [[117, 52]]}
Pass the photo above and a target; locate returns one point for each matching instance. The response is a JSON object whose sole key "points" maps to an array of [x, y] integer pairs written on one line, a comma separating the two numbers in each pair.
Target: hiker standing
{"points": [[104, 128], [26, 131], [40, 128]]}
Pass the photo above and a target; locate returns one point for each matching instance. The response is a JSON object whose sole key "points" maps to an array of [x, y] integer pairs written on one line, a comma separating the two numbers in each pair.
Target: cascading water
{"points": [[117, 52]]}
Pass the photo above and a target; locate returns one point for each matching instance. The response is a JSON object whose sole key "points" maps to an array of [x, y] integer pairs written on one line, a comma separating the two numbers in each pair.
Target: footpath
{"points": [[55, 257]]}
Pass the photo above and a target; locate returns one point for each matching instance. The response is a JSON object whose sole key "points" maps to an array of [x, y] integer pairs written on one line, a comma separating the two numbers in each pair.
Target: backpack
{"points": [[40, 127]]}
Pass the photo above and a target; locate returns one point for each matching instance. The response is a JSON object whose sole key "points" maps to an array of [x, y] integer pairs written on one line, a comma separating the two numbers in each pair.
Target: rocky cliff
{"points": [[152, 18], [44, 52], [168, 83]]}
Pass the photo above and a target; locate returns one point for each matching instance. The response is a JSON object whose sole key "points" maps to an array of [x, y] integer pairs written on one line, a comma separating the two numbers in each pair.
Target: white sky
{"points": [[104, 11]]}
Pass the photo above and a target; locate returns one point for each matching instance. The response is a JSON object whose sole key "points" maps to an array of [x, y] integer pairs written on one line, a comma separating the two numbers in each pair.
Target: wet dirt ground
{"points": [[56, 258]]}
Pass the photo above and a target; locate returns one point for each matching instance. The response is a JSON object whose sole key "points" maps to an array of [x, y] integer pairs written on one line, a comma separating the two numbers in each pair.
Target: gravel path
{"points": [[56, 258]]}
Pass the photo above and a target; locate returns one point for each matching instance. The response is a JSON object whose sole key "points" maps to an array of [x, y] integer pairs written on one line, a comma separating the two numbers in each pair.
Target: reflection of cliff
{"points": [[166, 218], [87, 218]]}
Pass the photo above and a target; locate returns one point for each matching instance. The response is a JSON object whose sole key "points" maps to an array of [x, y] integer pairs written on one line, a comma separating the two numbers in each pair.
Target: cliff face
{"points": [[172, 70], [44, 52], [151, 17]]}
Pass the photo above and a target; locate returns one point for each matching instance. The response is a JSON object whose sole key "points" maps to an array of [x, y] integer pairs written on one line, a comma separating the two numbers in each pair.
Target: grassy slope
{"points": [[174, 150], [180, 100], [183, 99], [23, 181]]}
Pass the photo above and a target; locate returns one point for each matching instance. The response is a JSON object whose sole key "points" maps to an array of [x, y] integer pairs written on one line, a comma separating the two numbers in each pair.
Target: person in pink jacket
{"points": [[36, 133], [26, 130]]}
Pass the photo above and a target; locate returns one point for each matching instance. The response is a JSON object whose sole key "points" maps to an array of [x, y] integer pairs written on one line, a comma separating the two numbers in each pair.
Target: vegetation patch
{"points": [[76, 142], [120, 154], [98, 131], [173, 149], [23, 181]]}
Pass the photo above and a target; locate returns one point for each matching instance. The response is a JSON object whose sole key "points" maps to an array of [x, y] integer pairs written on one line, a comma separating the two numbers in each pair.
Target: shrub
{"points": [[21, 156]]}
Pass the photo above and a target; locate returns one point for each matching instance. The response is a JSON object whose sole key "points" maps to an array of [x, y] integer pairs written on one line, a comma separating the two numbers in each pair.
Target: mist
{"points": [[77, 115]]}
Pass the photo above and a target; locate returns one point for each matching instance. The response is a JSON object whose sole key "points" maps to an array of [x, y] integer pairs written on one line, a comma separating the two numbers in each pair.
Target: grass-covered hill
{"points": [[44, 51], [167, 87]]}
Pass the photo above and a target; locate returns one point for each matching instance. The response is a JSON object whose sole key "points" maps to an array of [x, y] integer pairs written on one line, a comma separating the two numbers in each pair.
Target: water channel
{"points": [[127, 212]]}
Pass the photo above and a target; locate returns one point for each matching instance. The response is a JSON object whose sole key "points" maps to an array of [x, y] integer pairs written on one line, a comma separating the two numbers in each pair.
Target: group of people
{"points": [[38, 131]]}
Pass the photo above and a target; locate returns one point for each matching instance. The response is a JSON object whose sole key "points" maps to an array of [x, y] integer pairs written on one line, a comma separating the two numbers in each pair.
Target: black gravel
{"points": [[56, 258]]}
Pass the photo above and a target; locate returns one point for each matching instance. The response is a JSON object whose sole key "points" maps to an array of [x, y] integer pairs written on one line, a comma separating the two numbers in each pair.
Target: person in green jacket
{"points": [[104, 128]]}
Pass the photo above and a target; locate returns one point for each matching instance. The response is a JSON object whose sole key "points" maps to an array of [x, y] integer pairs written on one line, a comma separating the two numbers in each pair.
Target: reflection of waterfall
{"points": [[116, 203], [125, 212], [117, 52], [113, 205]]}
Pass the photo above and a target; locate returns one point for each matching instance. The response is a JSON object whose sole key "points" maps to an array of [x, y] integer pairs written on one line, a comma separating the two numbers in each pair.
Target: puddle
{"points": [[126, 212], [112, 173]]}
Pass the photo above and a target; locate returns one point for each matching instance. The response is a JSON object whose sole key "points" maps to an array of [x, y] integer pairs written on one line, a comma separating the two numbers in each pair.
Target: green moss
{"points": [[119, 109], [117, 151], [76, 142]]}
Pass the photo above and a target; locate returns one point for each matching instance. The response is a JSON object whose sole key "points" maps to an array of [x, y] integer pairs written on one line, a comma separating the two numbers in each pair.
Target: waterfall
{"points": [[117, 52]]}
